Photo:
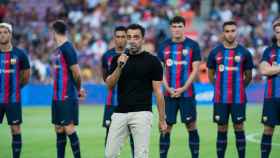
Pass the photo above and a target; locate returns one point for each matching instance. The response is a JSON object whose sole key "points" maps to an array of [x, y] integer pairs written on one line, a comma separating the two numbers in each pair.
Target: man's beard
{"points": [[230, 41], [4, 43], [132, 49]]}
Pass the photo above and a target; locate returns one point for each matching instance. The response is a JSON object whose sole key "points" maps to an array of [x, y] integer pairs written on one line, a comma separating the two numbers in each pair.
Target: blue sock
{"points": [[240, 143], [16, 145], [194, 143], [221, 144], [164, 144], [75, 145], [61, 144], [266, 145], [131, 145]]}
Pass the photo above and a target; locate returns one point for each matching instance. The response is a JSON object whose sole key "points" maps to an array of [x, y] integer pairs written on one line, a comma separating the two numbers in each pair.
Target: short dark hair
{"points": [[276, 23], [137, 27], [177, 19], [60, 27], [229, 23], [120, 28]]}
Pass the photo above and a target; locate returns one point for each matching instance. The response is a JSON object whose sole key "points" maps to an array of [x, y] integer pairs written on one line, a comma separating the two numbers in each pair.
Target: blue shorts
{"points": [[271, 112], [65, 112], [13, 113], [187, 107], [108, 111], [222, 112]]}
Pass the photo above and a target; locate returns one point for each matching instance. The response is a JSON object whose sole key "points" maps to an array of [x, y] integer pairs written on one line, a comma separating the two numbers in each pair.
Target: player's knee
{"points": [[169, 128], [238, 127], [15, 129], [59, 129], [191, 126], [222, 128], [268, 130], [69, 129]]}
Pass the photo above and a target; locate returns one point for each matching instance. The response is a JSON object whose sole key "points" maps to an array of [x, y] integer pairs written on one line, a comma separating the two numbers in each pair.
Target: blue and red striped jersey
{"points": [[230, 66], [112, 96], [272, 56], [177, 59], [12, 63], [64, 85]]}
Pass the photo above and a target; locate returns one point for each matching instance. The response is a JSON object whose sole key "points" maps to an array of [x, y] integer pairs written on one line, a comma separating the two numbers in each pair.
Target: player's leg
{"points": [[71, 119], [118, 132], [74, 139], [61, 141], [171, 109], [14, 117], [238, 115], [188, 116], [266, 141], [270, 118], [221, 116], [140, 124]]}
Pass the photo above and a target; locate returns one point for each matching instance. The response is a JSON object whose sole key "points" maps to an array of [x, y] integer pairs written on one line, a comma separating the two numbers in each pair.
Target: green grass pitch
{"points": [[39, 136]]}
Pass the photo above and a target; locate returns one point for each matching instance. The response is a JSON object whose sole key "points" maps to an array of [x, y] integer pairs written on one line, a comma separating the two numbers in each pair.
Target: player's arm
{"points": [[268, 70], [160, 105], [24, 77], [25, 71], [72, 59], [160, 99], [117, 67], [165, 84], [248, 77], [211, 75], [103, 68], [195, 68], [76, 72], [211, 65]]}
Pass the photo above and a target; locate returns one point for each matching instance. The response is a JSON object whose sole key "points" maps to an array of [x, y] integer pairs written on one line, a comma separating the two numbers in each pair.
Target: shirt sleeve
{"points": [[104, 62], [114, 65], [70, 55], [211, 62], [160, 52], [24, 64], [248, 65], [265, 56], [157, 70], [196, 53]]}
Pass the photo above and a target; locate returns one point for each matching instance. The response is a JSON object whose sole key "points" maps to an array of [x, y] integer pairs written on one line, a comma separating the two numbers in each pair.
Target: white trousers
{"points": [[139, 124]]}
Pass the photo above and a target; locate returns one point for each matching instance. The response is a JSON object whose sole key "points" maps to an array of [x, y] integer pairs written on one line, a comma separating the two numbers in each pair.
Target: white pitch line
{"points": [[252, 138]]}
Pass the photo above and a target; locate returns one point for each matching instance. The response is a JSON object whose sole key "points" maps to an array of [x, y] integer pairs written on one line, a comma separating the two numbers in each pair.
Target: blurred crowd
{"points": [[91, 23]]}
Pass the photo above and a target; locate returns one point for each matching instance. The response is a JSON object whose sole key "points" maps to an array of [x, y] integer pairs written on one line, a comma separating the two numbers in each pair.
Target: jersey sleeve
{"points": [[248, 65], [160, 52], [114, 65], [157, 70], [24, 62], [70, 54], [265, 56], [196, 52], [211, 62], [104, 62]]}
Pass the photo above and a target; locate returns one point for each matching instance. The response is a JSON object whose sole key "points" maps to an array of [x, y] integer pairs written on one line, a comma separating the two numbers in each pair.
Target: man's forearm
{"points": [[211, 75], [161, 107], [248, 77], [190, 80], [78, 81], [24, 78], [112, 79]]}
